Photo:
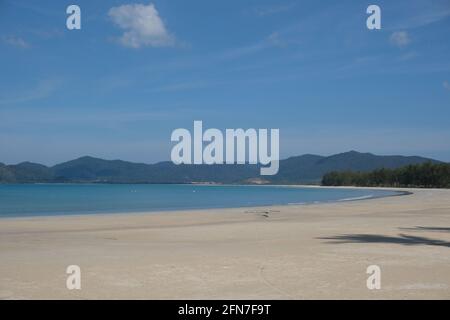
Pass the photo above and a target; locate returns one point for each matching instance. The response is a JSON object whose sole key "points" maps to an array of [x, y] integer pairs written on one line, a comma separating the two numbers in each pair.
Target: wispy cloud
{"points": [[446, 85], [15, 42], [46, 33], [42, 90], [35, 8], [272, 40], [142, 26], [419, 13], [181, 86], [238, 52], [400, 38], [408, 56], [276, 40], [111, 83], [263, 11], [70, 118]]}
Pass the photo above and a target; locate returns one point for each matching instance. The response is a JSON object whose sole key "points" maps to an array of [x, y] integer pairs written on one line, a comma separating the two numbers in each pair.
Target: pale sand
{"points": [[236, 253]]}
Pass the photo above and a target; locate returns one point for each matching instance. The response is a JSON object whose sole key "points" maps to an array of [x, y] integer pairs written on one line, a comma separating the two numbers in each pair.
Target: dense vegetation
{"points": [[424, 175]]}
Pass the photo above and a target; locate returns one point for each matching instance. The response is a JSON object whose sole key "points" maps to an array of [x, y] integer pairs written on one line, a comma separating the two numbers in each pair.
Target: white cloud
{"points": [[142, 26], [446, 85], [15, 42], [400, 38]]}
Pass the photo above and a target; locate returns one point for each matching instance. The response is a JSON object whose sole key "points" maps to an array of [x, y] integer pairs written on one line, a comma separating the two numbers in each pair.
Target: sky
{"points": [[136, 71]]}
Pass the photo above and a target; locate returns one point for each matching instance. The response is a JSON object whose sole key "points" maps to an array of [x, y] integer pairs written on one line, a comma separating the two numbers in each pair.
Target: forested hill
{"points": [[423, 175], [300, 169]]}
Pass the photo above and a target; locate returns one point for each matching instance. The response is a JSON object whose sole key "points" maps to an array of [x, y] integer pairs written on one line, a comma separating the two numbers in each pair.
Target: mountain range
{"points": [[306, 168]]}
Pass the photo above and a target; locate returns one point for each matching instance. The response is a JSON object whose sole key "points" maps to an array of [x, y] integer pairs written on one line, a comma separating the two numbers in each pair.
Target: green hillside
{"points": [[301, 169]]}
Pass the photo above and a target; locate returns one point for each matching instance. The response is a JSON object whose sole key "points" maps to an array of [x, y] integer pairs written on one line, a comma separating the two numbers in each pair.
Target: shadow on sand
{"points": [[417, 228], [374, 238]]}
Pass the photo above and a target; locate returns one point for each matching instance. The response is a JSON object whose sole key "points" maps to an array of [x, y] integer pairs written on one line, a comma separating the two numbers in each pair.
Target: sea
{"points": [[25, 200]]}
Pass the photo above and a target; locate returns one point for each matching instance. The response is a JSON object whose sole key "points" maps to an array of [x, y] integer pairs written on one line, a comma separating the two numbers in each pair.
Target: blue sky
{"points": [[132, 74]]}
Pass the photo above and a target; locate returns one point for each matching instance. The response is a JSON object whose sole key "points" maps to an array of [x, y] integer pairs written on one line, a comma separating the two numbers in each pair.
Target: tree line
{"points": [[424, 175]]}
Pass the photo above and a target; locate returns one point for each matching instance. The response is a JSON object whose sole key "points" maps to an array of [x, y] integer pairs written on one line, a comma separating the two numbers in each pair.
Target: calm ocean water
{"points": [[63, 199]]}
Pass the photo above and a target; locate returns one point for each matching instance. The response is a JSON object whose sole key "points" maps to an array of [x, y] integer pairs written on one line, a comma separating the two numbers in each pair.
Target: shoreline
{"points": [[316, 251], [396, 192]]}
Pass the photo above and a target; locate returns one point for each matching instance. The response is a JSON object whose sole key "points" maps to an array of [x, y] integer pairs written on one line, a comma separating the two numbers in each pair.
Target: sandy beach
{"points": [[318, 251]]}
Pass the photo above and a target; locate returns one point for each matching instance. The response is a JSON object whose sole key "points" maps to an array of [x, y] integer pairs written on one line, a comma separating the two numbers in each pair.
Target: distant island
{"points": [[304, 169]]}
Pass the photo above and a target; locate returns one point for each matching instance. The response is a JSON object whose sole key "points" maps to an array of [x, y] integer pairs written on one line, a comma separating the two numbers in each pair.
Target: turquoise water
{"points": [[64, 199]]}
